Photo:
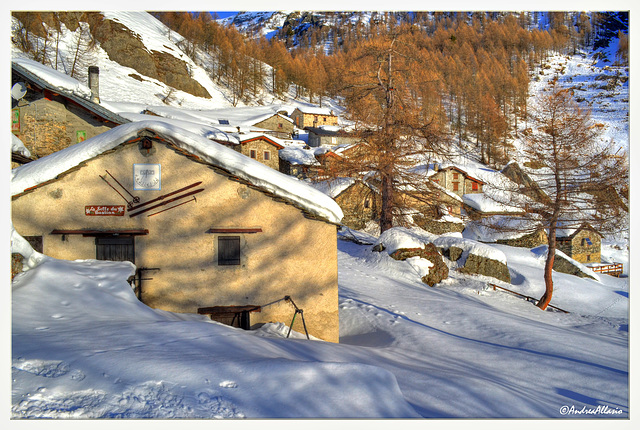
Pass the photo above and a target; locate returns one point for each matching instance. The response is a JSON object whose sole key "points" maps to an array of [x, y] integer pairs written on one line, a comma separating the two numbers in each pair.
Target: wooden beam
{"points": [[235, 230]]}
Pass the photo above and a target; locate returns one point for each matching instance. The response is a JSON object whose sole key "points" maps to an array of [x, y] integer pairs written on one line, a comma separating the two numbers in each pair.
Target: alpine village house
{"points": [[223, 234]]}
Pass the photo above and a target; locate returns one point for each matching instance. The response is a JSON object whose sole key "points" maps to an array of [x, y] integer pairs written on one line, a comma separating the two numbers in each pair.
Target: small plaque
{"points": [[146, 177], [104, 210]]}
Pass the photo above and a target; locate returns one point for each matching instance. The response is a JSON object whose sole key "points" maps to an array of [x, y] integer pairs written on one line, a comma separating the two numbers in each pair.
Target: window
{"points": [[455, 186], [252, 154], [588, 257], [228, 250], [474, 186], [115, 248], [366, 203], [279, 125], [267, 155], [455, 176]]}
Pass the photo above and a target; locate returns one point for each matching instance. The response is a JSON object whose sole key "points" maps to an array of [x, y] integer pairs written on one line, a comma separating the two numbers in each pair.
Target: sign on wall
{"points": [[81, 136], [104, 210], [146, 177], [15, 120]]}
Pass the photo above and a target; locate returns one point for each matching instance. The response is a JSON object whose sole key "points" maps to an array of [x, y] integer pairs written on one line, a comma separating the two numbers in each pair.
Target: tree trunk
{"points": [[548, 269], [386, 211]]}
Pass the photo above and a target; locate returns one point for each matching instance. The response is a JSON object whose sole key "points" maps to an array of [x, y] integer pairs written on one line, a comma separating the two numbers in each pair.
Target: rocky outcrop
{"points": [[475, 258], [125, 47], [437, 272], [479, 265]]}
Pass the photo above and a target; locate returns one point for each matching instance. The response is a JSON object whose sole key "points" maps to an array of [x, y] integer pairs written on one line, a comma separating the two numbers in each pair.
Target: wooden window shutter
{"points": [[229, 250]]}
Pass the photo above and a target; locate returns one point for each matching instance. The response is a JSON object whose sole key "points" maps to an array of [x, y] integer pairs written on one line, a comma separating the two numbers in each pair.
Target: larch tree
{"points": [[392, 99], [581, 176]]}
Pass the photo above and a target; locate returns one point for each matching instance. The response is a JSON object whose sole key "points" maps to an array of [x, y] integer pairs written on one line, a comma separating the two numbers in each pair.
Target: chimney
{"points": [[94, 83]]}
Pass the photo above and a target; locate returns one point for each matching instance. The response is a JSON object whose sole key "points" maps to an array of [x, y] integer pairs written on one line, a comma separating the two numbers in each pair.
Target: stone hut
{"points": [[261, 147], [456, 180], [56, 111], [359, 201], [330, 136], [224, 234], [582, 244], [304, 117]]}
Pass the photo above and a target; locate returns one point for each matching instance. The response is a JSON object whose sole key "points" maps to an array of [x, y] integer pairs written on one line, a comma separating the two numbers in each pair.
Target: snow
{"points": [[483, 203], [256, 173], [84, 347], [55, 78], [17, 146], [469, 246], [404, 238]]}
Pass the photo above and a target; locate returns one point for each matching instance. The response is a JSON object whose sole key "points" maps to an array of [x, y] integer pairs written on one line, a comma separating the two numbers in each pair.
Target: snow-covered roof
{"points": [[299, 156], [254, 172], [206, 131], [53, 80], [244, 116], [500, 227], [17, 147], [314, 110], [245, 137], [483, 203], [334, 187]]}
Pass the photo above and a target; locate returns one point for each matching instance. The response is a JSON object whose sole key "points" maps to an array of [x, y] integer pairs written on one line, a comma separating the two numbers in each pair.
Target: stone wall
{"points": [[261, 147], [359, 205], [48, 125], [578, 248], [283, 127]]}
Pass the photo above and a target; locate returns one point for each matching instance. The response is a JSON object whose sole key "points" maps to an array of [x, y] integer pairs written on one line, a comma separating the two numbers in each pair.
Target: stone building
{"points": [[359, 201], [304, 117], [277, 125], [225, 235], [582, 244], [56, 110], [261, 147], [319, 136], [456, 180]]}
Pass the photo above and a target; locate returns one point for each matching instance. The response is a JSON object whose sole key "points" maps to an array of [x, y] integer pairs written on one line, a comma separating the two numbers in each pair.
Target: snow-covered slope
{"points": [[84, 347]]}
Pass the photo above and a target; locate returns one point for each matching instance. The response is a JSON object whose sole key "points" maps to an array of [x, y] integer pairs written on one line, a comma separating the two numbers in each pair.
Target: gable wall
{"points": [[261, 146], [47, 126], [582, 253], [293, 255], [276, 123]]}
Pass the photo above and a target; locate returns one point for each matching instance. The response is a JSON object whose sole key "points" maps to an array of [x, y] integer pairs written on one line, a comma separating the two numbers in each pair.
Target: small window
{"points": [[366, 203], [455, 186], [588, 257], [252, 154], [228, 250], [474, 186], [267, 155], [279, 125], [455, 176]]}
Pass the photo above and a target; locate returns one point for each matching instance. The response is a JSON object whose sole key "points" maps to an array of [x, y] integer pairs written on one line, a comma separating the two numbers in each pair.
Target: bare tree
{"points": [[579, 178]]}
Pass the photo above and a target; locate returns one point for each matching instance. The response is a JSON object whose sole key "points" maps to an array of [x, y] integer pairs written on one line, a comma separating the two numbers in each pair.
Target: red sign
{"points": [[104, 210]]}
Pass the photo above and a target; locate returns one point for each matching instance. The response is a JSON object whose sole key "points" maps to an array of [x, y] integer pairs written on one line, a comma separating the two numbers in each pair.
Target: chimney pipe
{"points": [[94, 83]]}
